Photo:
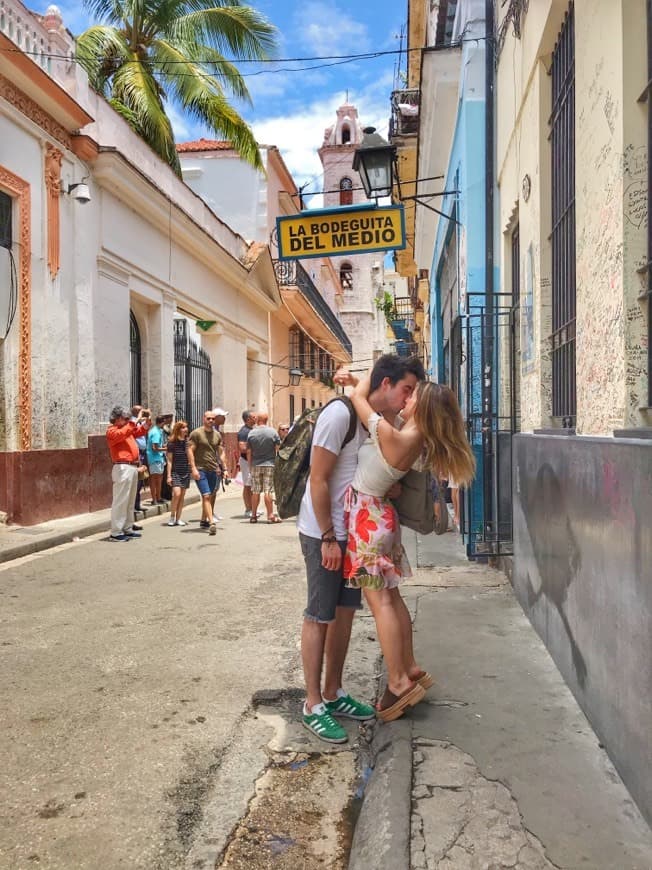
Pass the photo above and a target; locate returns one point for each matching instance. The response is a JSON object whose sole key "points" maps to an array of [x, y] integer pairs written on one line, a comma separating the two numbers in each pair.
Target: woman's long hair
{"points": [[176, 430], [439, 419]]}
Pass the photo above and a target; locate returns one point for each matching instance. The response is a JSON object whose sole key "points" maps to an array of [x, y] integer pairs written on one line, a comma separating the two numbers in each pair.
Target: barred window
{"points": [[562, 138]]}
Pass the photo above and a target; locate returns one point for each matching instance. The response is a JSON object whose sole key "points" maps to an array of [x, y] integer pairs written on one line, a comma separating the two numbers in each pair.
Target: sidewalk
{"points": [[19, 541], [498, 767]]}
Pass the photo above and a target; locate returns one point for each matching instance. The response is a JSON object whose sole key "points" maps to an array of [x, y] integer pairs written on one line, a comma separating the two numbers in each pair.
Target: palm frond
{"points": [[238, 30], [185, 59], [136, 89], [101, 50], [108, 11], [200, 96]]}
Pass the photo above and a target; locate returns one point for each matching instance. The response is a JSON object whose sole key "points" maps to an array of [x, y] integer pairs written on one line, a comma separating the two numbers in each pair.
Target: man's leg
{"points": [[206, 508], [246, 497], [269, 505], [120, 500], [131, 477], [255, 492], [336, 648], [313, 636]]}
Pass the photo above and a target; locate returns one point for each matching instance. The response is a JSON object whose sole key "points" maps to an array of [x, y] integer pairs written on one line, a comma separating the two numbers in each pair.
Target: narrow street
{"points": [[147, 687]]}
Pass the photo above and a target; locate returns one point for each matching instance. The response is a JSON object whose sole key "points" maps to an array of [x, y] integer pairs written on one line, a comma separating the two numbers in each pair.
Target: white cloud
{"points": [[326, 30], [298, 135]]}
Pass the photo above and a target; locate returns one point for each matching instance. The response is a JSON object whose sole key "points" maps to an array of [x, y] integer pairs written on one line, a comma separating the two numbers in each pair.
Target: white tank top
{"points": [[374, 475]]}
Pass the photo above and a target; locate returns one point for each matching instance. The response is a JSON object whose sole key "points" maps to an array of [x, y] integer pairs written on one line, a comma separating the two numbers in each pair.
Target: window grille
{"points": [[346, 191], [135, 361], [346, 277], [5, 220], [562, 137], [515, 328]]}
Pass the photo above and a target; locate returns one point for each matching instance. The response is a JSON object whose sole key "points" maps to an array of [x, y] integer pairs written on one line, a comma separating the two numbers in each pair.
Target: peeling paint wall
{"points": [[611, 190]]}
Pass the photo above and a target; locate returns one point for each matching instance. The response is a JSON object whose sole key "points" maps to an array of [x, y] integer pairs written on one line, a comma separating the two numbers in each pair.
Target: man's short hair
{"points": [[395, 368], [117, 412], [246, 414], [160, 419], [262, 417]]}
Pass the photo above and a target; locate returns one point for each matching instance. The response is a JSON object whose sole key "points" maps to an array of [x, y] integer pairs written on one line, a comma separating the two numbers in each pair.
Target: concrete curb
{"points": [[84, 529], [382, 833]]}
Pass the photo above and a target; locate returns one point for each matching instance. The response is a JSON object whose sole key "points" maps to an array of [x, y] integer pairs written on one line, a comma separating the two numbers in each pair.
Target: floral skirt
{"points": [[374, 558]]}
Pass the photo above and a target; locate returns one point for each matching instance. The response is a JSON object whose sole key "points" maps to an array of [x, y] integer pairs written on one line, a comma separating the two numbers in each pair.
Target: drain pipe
{"points": [[488, 357]]}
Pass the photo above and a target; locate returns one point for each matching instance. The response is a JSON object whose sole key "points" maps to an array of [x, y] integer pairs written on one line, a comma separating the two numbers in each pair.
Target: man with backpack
{"points": [[328, 617]]}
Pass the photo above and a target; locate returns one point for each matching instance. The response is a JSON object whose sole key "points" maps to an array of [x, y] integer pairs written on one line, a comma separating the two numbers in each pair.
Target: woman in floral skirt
{"points": [[375, 559]]}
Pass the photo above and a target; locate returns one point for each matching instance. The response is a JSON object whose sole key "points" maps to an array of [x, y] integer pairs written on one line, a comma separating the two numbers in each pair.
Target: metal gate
{"points": [[135, 394], [487, 504], [193, 379]]}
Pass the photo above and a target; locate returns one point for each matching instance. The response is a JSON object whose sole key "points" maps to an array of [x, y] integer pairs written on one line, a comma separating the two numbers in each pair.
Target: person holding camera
{"points": [[121, 437]]}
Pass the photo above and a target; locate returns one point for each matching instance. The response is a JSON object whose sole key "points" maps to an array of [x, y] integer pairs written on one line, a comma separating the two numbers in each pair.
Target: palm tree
{"points": [[144, 53]]}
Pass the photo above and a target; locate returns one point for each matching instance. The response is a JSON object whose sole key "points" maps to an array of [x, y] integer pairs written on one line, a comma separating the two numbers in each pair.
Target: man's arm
{"points": [[190, 453], [321, 470], [223, 461]]}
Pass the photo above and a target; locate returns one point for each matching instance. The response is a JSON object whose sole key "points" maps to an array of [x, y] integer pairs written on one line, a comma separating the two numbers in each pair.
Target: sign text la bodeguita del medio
{"points": [[326, 232]]}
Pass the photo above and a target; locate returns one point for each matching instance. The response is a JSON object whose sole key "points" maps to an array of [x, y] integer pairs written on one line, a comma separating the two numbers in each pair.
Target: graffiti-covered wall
{"points": [[583, 574]]}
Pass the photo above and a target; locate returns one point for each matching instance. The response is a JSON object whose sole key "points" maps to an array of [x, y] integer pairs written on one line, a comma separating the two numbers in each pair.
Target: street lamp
{"points": [[373, 160], [295, 377]]}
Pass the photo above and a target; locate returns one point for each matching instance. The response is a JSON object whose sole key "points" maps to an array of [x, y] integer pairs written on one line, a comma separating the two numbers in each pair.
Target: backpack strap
{"points": [[353, 424]]}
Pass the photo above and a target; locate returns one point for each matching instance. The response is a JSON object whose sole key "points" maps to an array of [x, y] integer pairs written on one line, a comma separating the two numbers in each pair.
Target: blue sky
{"points": [[292, 107]]}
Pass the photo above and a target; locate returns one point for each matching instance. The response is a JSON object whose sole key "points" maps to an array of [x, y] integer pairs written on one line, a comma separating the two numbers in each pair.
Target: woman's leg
{"points": [[455, 498], [403, 617], [155, 481], [182, 498], [175, 507], [391, 634]]}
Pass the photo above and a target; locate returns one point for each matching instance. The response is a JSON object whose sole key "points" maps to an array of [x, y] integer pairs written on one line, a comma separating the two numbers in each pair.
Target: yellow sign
{"points": [[328, 232]]}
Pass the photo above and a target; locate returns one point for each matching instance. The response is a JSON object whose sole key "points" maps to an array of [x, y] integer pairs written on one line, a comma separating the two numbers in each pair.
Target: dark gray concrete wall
{"points": [[583, 575]]}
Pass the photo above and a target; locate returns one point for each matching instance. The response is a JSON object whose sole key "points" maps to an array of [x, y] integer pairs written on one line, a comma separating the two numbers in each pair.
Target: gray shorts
{"points": [[327, 590]]}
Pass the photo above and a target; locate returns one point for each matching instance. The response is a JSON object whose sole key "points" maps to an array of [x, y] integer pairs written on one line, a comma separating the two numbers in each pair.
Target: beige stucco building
{"points": [[137, 253], [601, 339], [305, 332]]}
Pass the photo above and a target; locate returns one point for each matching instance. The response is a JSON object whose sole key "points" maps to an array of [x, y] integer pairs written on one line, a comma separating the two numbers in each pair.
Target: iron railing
{"points": [[290, 273], [487, 510], [562, 136], [193, 378], [135, 393], [404, 120]]}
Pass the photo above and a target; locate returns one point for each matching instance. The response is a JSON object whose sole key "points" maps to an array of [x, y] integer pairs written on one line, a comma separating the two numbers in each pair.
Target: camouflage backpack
{"points": [[292, 466]]}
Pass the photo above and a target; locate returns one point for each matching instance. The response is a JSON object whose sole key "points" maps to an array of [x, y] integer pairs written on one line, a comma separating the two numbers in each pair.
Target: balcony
{"points": [[402, 321], [291, 275], [405, 113]]}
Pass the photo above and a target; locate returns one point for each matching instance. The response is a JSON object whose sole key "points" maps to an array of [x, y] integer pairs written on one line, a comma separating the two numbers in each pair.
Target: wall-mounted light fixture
{"points": [[80, 191]]}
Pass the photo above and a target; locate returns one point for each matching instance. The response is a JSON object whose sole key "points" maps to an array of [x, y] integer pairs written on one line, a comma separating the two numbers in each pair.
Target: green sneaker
{"points": [[322, 725], [347, 707]]}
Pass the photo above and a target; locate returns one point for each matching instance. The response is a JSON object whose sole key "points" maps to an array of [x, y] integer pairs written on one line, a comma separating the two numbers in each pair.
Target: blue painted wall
{"points": [[466, 174]]}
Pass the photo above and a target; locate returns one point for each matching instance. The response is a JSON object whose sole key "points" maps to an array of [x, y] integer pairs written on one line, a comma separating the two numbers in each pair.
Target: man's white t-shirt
{"points": [[330, 431]]}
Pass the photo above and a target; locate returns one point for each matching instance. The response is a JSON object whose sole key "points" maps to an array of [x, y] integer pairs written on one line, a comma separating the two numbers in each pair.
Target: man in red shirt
{"points": [[121, 438]]}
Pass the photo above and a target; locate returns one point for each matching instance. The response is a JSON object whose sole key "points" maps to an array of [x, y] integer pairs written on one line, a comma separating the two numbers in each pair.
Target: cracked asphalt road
{"points": [[126, 680]]}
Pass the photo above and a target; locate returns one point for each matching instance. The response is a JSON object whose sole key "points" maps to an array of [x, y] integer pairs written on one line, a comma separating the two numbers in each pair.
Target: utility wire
{"points": [[336, 60]]}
